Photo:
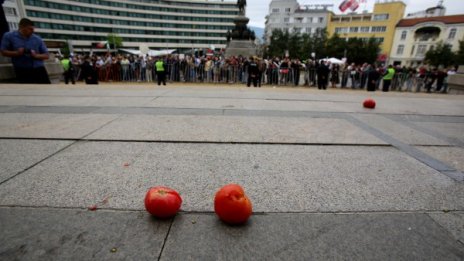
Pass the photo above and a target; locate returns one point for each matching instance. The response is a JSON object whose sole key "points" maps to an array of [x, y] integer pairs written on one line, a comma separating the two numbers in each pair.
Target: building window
{"points": [[365, 29], [9, 11], [275, 10], [421, 49], [287, 10], [354, 29], [412, 50], [341, 30], [309, 30], [321, 20], [403, 35], [378, 29], [286, 20], [452, 34], [400, 49], [310, 20], [381, 17]]}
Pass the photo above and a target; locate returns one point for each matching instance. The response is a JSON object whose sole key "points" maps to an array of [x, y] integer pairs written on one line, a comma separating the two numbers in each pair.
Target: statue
{"points": [[241, 6]]}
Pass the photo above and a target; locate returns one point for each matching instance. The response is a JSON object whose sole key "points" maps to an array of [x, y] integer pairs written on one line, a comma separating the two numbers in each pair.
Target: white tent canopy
{"points": [[334, 60], [161, 52], [134, 52]]}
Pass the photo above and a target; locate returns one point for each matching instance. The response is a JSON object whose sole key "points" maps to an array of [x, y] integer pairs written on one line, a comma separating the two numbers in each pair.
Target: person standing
{"points": [[89, 74], [373, 77], [322, 75], [253, 72], [68, 70], [387, 78], [160, 71], [27, 52]]}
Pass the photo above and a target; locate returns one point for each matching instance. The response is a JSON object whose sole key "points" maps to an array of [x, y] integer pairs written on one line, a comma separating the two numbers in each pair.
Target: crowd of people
{"points": [[246, 70]]}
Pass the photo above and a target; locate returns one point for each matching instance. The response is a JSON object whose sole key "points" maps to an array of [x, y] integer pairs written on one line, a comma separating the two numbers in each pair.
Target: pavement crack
{"points": [[166, 238]]}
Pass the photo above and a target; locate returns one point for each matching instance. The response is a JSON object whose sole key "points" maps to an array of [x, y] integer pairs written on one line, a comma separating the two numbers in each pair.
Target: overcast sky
{"points": [[258, 9]]}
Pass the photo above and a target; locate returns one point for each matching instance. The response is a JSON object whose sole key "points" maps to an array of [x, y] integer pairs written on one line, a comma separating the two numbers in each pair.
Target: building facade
{"points": [[142, 24], [414, 37], [288, 15], [12, 14], [379, 24]]}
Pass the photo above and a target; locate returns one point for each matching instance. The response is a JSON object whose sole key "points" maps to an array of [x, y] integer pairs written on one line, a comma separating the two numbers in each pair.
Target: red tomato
{"points": [[232, 205], [162, 202], [369, 103]]}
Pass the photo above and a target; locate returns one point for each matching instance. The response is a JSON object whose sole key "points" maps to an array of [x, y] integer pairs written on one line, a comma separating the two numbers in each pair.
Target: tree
{"points": [[319, 40], [336, 46], [460, 53], [114, 40], [440, 55], [278, 43]]}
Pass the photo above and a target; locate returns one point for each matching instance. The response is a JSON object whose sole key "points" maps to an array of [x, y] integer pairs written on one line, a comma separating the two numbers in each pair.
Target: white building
{"points": [[142, 24], [12, 14], [288, 15], [414, 37]]}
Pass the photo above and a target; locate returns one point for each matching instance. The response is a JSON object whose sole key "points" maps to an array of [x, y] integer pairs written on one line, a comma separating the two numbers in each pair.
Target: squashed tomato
{"points": [[162, 202], [232, 205]]}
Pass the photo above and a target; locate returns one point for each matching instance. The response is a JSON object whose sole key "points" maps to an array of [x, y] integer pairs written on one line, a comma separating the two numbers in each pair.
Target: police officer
{"points": [[160, 71]]}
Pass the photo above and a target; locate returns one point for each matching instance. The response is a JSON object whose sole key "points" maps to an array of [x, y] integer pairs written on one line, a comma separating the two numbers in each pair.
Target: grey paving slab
{"points": [[451, 155], [43, 125], [74, 101], [278, 178], [399, 131], [255, 104], [453, 222], [53, 234], [452, 130], [235, 129], [18, 155], [311, 237]]}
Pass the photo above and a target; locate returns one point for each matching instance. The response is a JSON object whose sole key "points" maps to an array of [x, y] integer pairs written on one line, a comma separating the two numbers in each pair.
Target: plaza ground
{"points": [[328, 179]]}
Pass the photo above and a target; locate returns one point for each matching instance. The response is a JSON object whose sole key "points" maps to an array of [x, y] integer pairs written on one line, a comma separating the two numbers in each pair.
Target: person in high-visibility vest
{"points": [[68, 70], [160, 71], [387, 78]]}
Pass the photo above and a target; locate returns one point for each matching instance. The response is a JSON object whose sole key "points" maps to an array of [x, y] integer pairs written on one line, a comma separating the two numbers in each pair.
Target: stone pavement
{"points": [[328, 179]]}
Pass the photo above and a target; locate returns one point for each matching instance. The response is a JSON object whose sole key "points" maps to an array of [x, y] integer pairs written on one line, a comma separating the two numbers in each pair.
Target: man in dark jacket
{"points": [[373, 77], [322, 76], [253, 72]]}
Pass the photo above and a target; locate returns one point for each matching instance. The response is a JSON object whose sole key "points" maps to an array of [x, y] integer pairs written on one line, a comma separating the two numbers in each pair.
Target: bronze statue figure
{"points": [[241, 6]]}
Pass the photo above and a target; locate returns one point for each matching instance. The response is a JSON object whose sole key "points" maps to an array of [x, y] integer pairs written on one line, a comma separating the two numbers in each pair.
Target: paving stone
{"points": [[60, 234], [235, 129], [451, 155], [74, 101], [398, 131], [453, 222], [38, 125], [452, 130], [379, 236], [278, 178], [18, 155]]}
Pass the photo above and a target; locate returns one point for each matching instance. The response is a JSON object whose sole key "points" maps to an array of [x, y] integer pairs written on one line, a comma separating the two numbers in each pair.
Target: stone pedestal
{"points": [[244, 48], [456, 82], [7, 75]]}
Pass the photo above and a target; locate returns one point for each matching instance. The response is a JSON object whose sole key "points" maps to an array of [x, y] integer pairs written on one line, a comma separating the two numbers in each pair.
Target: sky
{"points": [[256, 10]]}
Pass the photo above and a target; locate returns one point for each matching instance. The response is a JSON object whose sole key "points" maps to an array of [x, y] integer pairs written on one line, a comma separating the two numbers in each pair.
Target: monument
{"points": [[240, 41]]}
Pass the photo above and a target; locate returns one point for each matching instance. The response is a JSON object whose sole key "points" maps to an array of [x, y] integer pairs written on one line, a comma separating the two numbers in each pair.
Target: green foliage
{"points": [[440, 55], [114, 40], [460, 54], [302, 45]]}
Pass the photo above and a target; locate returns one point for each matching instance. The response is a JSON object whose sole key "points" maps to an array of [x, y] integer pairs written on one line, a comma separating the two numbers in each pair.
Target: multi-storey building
{"points": [[288, 15], [379, 24], [142, 24], [11, 9], [414, 37]]}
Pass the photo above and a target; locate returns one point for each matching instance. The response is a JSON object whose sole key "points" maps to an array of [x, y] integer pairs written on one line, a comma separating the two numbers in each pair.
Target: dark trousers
{"points": [[386, 85], [69, 75], [32, 75], [253, 79], [161, 78]]}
